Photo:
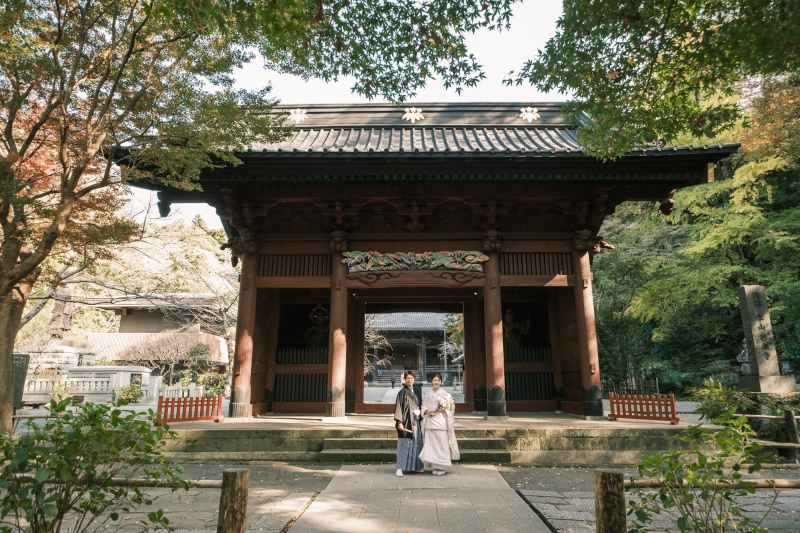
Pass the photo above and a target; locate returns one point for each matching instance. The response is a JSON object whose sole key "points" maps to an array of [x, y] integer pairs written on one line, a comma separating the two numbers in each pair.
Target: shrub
{"points": [[716, 399], [64, 467], [700, 485], [214, 383], [132, 393]]}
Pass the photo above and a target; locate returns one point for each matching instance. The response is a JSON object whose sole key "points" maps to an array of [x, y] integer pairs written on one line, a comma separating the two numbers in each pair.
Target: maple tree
{"points": [[129, 89]]}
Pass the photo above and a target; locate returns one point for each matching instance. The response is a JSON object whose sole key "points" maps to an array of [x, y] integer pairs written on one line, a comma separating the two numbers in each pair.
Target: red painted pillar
{"points": [[337, 347], [587, 336], [493, 320], [245, 327]]}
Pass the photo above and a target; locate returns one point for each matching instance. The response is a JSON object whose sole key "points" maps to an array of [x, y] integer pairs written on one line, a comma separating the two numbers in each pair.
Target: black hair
{"points": [[437, 375], [409, 373]]}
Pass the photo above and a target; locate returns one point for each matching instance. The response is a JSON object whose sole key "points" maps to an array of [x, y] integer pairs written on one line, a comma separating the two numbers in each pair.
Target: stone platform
{"points": [[542, 439]]}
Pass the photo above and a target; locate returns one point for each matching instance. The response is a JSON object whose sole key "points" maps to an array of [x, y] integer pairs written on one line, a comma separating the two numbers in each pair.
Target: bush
{"points": [[214, 383], [64, 468], [132, 393], [716, 399], [700, 485]]}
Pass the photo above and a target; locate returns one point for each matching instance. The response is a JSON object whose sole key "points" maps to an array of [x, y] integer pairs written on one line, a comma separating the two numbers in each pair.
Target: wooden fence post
{"points": [[233, 500], [609, 502]]}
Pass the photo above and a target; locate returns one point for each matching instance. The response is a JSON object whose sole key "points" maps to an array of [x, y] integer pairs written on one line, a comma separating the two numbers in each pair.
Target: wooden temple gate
{"points": [[470, 177]]}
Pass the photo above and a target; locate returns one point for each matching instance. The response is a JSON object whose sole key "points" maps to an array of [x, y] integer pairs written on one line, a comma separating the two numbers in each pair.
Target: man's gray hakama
{"points": [[408, 450]]}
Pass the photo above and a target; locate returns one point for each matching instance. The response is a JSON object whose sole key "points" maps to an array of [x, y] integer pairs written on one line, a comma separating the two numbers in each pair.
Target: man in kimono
{"points": [[409, 435]]}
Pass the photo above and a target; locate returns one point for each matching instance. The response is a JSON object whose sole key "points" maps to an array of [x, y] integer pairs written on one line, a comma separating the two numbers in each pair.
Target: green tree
{"points": [[644, 70], [148, 85]]}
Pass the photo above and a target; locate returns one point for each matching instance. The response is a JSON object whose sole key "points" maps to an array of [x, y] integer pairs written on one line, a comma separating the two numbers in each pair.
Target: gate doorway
{"points": [[426, 343]]}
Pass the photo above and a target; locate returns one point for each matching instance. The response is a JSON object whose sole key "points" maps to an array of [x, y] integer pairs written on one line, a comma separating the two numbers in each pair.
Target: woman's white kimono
{"points": [[440, 439]]}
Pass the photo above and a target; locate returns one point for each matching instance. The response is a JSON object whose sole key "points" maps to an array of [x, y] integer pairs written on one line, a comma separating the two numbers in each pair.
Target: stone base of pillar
{"points": [[479, 398], [239, 410], [335, 407], [592, 401], [773, 384], [496, 405]]}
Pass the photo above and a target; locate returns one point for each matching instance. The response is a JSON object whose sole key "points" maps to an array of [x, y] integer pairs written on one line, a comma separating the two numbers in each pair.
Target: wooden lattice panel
{"points": [[301, 387], [293, 265], [302, 356], [528, 354], [535, 264], [529, 386]]}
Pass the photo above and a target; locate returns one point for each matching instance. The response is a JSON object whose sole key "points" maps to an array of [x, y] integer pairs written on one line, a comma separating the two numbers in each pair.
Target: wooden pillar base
{"points": [[592, 401], [335, 408], [496, 406]]}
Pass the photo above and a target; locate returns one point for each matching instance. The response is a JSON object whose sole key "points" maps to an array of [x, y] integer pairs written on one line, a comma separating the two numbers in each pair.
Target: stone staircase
{"points": [[473, 450]]}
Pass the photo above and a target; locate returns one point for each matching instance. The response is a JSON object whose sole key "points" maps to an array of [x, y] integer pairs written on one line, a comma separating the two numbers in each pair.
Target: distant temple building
{"points": [[144, 320], [489, 210]]}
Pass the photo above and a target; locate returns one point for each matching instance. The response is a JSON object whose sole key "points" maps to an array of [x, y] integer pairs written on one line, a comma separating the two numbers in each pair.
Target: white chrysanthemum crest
{"points": [[413, 114], [298, 115], [529, 114]]}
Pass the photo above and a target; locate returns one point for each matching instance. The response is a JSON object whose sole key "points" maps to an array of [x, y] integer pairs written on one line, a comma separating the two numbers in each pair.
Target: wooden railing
{"points": [[643, 408], [189, 409]]}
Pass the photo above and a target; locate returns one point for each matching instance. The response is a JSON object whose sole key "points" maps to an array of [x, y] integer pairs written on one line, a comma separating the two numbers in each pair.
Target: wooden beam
{"points": [[294, 282], [414, 278], [301, 369], [521, 368], [537, 281]]}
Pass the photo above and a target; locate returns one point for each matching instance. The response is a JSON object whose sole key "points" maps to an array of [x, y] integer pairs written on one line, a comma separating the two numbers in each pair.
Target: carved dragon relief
{"points": [[376, 261]]}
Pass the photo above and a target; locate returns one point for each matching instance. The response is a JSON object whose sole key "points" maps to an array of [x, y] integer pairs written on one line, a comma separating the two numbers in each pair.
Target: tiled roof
{"points": [[112, 345], [449, 129], [406, 321]]}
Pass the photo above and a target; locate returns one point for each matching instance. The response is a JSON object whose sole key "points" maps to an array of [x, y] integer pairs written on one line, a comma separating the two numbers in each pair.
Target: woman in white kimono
{"points": [[440, 446]]}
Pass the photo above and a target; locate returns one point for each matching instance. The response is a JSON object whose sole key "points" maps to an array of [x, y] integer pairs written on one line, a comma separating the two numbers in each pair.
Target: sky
{"points": [[533, 23]]}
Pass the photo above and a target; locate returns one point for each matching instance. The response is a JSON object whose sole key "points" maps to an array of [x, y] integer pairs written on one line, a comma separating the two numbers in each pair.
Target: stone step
{"points": [[388, 456], [391, 444]]}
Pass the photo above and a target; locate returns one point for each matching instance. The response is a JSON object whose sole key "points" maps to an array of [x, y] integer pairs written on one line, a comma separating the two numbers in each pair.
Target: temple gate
{"points": [[491, 209]]}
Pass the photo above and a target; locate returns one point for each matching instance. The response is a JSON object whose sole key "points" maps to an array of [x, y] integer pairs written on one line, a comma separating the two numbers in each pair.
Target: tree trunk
{"points": [[12, 304]]}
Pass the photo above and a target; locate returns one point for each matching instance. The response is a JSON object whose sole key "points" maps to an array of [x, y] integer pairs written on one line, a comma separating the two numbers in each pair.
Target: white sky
{"points": [[534, 22]]}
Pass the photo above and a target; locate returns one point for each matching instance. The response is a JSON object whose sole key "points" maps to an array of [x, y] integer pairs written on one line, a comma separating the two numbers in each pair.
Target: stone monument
{"points": [[765, 375]]}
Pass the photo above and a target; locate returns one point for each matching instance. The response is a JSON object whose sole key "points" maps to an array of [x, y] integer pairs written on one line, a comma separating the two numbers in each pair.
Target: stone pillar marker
{"points": [[766, 376]]}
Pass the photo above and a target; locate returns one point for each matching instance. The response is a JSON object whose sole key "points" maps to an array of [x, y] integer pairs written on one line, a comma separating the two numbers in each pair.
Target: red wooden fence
{"points": [[189, 409], [643, 407]]}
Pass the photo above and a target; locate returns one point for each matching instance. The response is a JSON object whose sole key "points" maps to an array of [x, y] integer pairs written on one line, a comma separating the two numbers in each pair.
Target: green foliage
{"points": [[454, 326], [213, 382], [715, 400], [131, 393], [701, 485], [666, 296], [653, 69], [64, 467]]}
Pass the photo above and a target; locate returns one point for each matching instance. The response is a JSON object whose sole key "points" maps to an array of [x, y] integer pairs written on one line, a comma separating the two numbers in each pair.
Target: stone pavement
{"points": [[278, 493], [574, 511], [370, 498]]}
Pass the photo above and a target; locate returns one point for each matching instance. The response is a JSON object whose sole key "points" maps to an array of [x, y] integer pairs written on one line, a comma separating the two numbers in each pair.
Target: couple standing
{"points": [[431, 441]]}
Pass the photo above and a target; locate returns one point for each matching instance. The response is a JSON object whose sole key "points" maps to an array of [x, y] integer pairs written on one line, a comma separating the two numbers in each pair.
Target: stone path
{"points": [[574, 511], [369, 498]]}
